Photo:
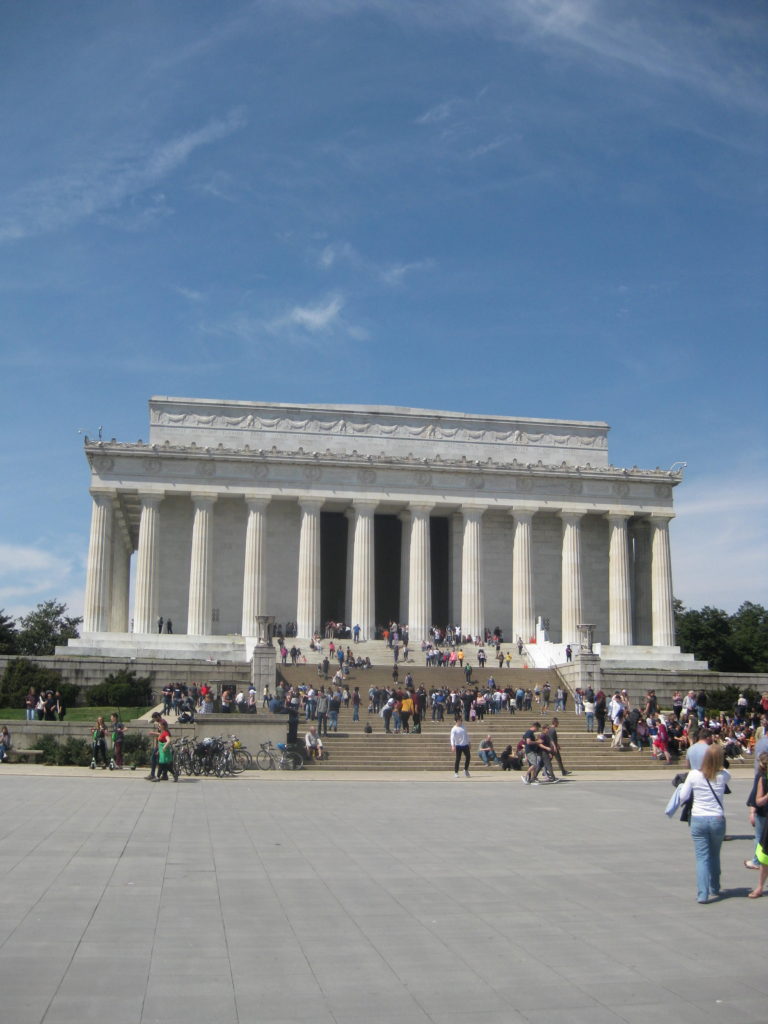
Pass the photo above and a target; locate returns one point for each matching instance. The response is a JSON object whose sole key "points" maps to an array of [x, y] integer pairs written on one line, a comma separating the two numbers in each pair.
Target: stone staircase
{"points": [[352, 749]]}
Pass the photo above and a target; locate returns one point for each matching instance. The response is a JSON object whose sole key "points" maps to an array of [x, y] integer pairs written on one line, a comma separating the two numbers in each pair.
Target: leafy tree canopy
{"points": [[9, 637], [730, 643], [45, 628]]}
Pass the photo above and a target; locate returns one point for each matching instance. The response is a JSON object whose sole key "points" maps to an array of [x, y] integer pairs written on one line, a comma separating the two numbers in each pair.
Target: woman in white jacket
{"points": [[707, 819]]}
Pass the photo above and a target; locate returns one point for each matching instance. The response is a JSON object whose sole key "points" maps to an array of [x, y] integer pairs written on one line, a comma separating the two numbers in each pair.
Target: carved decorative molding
{"points": [[102, 456], [340, 425]]}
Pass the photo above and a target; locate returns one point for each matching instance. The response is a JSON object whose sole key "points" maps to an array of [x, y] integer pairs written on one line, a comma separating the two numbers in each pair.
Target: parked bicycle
{"points": [[279, 756]]}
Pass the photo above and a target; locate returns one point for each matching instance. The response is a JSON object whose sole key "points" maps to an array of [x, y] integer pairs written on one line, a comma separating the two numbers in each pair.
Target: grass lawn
{"points": [[79, 714]]}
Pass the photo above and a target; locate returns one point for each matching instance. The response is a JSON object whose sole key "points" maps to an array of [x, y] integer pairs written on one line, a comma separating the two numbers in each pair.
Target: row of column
{"points": [[109, 567]]}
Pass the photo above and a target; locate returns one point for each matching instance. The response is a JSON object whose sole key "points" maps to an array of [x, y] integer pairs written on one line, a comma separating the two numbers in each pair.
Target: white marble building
{"points": [[369, 513]]}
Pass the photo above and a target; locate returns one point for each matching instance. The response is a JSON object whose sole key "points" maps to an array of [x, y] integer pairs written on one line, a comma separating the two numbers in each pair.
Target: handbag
{"points": [[685, 809]]}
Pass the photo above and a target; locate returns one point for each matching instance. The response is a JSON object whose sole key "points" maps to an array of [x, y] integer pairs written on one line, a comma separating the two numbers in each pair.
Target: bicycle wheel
{"points": [[292, 761], [220, 765], [241, 760], [264, 760]]}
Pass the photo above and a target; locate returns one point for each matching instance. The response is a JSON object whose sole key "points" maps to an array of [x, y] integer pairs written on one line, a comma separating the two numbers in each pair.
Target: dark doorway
{"points": [[439, 539], [333, 566], [387, 538]]}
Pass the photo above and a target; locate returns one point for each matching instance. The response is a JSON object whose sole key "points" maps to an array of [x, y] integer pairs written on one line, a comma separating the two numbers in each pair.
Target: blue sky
{"points": [[521, 207]]}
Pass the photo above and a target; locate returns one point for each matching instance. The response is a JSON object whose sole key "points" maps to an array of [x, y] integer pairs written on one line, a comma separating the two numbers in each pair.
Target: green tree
{"points": [[124, 689], [749, 636], [45, 628], [19, 676], [706, 633], [9, 636]]}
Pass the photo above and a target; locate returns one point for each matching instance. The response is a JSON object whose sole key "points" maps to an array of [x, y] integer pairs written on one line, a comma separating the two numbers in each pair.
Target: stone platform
{"points": [[293, 897]]}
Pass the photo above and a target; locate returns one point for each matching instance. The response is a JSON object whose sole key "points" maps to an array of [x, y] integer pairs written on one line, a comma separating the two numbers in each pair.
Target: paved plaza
{"points": [[411, 899]]}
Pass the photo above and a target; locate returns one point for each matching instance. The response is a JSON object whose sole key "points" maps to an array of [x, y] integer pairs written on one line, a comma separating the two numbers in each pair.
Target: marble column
{"points": [[405, 564], [419, 576], [455, 554], [308, 603], [349, 515], [472, 620], [199, 613], [641, 564], [145, 595], [121, 582], [254, 570], [98, 581], [571, 576], [523, 607], [662, 608], [363, 571], [619, 590]]}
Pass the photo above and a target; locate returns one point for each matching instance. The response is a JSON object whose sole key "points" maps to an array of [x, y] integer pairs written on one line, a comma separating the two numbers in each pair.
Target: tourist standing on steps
{"points": [[707, 819], [600, 707], [460, 746]]}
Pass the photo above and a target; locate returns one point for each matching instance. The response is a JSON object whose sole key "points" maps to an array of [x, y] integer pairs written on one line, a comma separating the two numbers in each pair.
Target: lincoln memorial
{"points": [[368, 514]]}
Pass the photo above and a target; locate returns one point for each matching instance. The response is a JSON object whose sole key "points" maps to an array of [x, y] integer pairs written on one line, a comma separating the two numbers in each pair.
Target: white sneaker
{"points": [[525, 780], [466, 773], [455, 775]]}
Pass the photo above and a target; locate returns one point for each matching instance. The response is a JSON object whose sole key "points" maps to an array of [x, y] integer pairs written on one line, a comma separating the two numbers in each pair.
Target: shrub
{"points": [[123, 689], [69, 694], [136, 749], [72, 751], [21, 674], [724, 698]]}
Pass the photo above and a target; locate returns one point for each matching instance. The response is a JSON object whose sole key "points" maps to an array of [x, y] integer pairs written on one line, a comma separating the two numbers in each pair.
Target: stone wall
{"points": [[638, 681]]}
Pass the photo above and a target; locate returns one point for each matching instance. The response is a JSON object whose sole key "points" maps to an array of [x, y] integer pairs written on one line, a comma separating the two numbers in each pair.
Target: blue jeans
{"points": [[759, 826], [707, 834], [333, 721]]}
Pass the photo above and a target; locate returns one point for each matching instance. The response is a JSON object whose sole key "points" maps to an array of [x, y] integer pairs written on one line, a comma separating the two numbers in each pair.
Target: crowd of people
{"points": [[641, 725], [44, 706]]}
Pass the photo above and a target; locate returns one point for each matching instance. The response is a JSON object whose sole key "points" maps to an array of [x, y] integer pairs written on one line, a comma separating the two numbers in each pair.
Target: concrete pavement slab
{"points": [[295, 897]]}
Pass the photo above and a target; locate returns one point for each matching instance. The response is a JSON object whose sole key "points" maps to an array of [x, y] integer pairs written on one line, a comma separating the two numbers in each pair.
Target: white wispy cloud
{"points": [[189, 293], [395, 274], [30, 574], [300, 326], [50, 204], [437, 114], [322, 317], [690, 44], [720, 541], [336, 253]]}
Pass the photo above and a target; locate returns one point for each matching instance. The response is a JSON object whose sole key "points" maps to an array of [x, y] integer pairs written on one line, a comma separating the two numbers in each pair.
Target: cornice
{"points": [[102, 455]]}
